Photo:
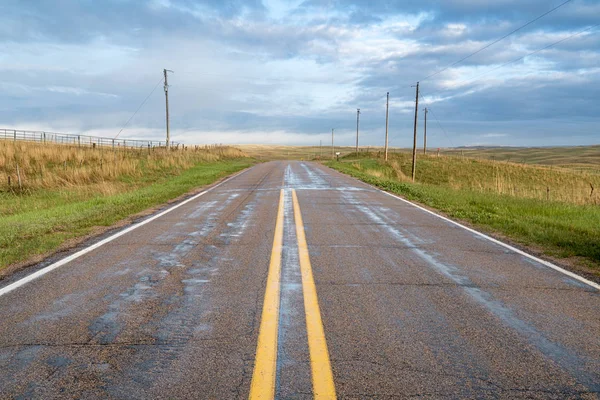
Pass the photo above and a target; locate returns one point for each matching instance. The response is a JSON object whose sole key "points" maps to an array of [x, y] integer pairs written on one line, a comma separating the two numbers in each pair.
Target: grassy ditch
{"points": [[568, 230], [80, 190]]}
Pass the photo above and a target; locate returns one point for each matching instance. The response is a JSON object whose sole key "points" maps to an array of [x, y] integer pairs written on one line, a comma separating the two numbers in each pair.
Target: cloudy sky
{"points": [[287, 71]]}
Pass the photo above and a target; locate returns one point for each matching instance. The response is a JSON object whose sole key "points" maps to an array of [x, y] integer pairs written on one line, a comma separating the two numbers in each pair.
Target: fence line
{"points": [[79, 140]]}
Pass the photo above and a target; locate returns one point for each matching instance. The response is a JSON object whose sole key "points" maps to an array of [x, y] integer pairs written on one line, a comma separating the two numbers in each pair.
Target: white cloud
{"points": [[287, 75]]}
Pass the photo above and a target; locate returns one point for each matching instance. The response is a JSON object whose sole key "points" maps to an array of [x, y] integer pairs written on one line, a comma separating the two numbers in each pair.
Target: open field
{"points": [[586, 158], [65, 192], [274, 152], [582, 158], [506, 199]]}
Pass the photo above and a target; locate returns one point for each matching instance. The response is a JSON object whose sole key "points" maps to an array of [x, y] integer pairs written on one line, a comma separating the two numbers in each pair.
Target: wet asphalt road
{"points": [[411, 305]]}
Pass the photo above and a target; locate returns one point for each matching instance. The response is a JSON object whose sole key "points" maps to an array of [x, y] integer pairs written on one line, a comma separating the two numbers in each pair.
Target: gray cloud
{"points": [[87, 65]]}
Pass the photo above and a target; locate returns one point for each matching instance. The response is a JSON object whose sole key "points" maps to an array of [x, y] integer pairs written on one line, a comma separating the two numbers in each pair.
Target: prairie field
{"points": [[583, 158], [54, 194], [276, 152]]}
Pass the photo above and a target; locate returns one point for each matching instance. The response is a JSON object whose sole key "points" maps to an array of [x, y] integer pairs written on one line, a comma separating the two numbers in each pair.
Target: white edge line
{"points": [[66, 260], [498, 242]]}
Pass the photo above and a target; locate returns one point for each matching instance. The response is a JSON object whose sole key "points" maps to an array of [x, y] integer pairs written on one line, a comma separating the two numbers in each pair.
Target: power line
{"points": [[476, 77], [500, 66], [441, 127], [140, 107], [503, 65], [428, 107], [495, 41]]}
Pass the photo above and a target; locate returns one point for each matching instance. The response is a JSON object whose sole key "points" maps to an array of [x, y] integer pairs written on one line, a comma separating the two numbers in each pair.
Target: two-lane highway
{"points": [[291, 280]]}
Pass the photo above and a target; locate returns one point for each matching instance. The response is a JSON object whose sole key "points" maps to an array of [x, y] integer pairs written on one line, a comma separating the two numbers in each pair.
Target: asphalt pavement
{"points": [[291, 280]]}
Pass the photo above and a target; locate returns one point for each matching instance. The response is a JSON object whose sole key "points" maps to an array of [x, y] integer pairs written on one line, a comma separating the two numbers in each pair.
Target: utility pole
{"points": [[414, 160], [167, 105], [332, 148], [357, 121], [320, 149], [425, 135], [387, 119]]}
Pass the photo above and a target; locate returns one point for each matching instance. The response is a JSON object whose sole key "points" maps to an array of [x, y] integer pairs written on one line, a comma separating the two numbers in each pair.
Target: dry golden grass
{"points": [[26, 166], [462, 173], [583, 158], [279, 152], [521, 180]]}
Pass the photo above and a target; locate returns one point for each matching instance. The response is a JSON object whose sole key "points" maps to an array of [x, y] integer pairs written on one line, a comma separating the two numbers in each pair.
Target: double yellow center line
{"points": [[265, 367]]}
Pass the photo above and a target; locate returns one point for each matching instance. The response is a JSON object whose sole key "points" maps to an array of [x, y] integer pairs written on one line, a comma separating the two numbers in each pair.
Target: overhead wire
{"points": [[440, 126], [495, 41], [421, 95], [430, 110], [444, 131], [139, 108], [475, 78]]}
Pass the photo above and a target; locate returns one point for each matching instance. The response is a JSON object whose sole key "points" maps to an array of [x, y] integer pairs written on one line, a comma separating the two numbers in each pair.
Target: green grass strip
{"points": [[32, 231]]}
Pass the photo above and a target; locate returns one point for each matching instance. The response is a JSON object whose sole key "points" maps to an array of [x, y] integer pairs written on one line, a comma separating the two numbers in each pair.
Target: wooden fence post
{"points": [[19, 177]]}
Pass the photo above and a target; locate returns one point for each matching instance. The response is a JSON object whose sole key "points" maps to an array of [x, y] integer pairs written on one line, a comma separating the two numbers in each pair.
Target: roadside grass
{"points": [[48, 212], [27, 166], [560, 229], [487, 176]]}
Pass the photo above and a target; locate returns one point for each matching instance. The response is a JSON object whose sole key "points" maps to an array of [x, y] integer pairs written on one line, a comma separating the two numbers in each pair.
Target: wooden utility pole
{"points": [[320, 149], [357, 122], [387, 118], [167, 105], [414, 160], [332, 148], [425, 135]]}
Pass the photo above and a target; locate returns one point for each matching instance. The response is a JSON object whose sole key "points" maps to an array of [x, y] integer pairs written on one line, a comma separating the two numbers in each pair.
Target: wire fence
{"points": [[80, 140]]}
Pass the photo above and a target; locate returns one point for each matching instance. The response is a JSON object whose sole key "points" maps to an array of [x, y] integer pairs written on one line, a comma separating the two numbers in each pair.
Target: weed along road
{"points": [[290, 280]]}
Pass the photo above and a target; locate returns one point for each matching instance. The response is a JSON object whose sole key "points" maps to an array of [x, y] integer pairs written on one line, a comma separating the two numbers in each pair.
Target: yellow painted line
{"points": [[322, 376], [265, 365]]}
